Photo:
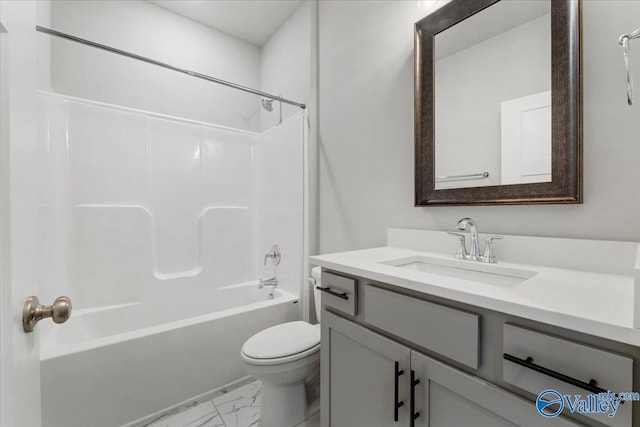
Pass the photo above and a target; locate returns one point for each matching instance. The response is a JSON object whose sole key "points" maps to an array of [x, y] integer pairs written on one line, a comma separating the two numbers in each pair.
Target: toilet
{"points": [[282, 356]]}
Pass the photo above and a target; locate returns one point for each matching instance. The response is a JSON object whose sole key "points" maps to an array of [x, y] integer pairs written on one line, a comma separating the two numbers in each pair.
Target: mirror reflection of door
{"points": [[483, 66], [526, 139]]}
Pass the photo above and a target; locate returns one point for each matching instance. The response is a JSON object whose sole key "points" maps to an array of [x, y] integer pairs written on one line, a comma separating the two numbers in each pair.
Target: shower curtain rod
{"points": [[165, 65]]}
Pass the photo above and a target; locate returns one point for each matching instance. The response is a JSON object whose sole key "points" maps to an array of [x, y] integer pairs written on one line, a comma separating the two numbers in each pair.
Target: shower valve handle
{"points": [[33, 312], [275, 254]]}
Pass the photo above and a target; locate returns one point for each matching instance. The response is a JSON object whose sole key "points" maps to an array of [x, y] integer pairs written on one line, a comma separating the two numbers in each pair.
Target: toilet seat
{"points": [[282, 343]]}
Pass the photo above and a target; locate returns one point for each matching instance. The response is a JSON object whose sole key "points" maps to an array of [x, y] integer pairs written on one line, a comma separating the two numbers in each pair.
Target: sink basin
{"points": [[490, 274]]}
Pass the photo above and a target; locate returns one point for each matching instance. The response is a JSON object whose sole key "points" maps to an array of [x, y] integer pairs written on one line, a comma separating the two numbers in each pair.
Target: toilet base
{"points": [[283, 405], [284, 397]]}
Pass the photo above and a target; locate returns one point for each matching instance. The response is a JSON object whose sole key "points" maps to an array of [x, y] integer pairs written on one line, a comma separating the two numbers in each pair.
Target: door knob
{"points": [[33, 312]]}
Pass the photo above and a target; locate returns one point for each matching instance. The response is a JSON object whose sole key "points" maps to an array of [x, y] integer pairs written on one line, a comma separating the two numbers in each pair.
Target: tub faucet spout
{"points": [[273, 282]]}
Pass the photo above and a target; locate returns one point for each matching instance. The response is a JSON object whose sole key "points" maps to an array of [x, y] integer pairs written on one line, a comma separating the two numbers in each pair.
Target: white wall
{"points": [[366, 133], [285, 61], [471, 85], [145, 29]]}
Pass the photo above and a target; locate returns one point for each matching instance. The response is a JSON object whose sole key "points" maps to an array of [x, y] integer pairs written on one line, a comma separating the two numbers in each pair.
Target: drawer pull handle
{"points": [[396, 404], [328, 290], [412, 400], [528, 363]]}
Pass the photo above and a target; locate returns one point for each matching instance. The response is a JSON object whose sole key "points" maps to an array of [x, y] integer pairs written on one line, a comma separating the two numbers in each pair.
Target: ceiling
{"points": [[488, 23], [253, 21]]}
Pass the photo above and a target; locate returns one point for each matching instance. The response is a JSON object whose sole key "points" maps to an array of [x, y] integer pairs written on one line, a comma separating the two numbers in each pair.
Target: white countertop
{"points": [[595, 303]]}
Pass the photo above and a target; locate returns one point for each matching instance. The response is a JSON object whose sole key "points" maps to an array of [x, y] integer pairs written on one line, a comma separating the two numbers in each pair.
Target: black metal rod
{"points": [[528, 363], [328, 290], [86, 42], [412, 400], [396, 404]]}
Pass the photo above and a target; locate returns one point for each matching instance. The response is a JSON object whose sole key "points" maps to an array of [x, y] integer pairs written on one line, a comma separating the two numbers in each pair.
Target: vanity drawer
{"points": [[443, 330], [339, 292], [584, 363]]}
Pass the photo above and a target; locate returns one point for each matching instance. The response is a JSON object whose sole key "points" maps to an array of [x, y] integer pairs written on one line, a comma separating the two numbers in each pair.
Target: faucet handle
{"points": [[462, 246], [275, 255], [488, 252]]}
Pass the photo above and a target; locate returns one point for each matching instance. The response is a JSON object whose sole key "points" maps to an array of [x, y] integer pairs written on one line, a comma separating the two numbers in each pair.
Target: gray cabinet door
{"points": [[447, 397], [358, 376]]}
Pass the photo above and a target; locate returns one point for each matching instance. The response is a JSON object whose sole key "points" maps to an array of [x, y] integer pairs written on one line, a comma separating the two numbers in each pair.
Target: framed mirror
{"points": [[498, 108]]}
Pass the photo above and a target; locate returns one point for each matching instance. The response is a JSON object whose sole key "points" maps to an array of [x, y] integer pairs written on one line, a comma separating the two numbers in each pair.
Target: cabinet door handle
{"points": [[328, 290], [396, 404], [412, 400], [528, 363]]}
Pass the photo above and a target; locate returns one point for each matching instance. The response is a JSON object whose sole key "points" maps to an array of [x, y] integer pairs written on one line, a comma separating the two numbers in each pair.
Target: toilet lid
{"points": [[282, 340]]}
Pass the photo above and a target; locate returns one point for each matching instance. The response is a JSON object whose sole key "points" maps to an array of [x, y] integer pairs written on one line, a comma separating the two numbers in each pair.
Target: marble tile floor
{"points": [[235, 407]]}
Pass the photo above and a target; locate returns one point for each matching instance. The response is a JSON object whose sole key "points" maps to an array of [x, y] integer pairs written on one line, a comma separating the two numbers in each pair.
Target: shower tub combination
{"points": [[154, 226], [164, 296], [118, 364]]}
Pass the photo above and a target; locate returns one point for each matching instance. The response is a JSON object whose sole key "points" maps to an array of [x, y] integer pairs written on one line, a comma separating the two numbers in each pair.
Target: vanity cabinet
{"points": [[362, 368], [547, 342], [447, 397], [391, 357], [452, 333], [367, 381]]}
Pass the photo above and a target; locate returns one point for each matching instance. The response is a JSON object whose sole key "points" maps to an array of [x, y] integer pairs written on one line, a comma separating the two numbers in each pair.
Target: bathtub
{"points": [[112, 365]]}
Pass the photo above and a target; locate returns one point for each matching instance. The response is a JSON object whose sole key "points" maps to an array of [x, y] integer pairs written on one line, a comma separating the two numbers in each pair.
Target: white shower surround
{"points": [[148, 224], [133, 201]]}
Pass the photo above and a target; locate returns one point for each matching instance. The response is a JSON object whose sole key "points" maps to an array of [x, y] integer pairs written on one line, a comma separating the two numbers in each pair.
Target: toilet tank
{"points": [[315, 274]]}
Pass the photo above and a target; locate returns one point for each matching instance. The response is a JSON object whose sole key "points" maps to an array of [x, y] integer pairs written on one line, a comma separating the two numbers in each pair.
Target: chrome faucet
{"points": [[275, 254], [474, 249], [273, 282]]}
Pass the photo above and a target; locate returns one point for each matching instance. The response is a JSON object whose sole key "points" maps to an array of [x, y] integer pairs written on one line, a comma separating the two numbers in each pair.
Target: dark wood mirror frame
{"points": [[566, 110]]}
